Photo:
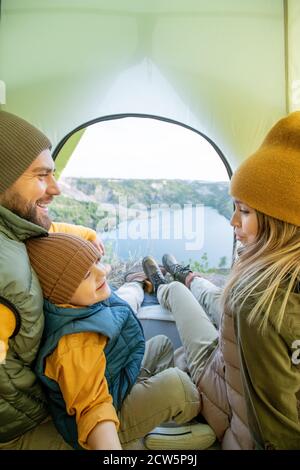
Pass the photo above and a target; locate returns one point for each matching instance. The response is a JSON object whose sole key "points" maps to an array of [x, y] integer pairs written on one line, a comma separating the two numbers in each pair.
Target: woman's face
{"points": [[245, 223]]}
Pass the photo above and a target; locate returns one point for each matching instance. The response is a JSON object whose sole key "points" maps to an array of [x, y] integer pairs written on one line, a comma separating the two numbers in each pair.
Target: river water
{"points": [[189, 233]]}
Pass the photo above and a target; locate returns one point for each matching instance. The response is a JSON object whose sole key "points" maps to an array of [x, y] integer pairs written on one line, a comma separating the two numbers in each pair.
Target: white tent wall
{"points": [[216, 65], [293, 42]]}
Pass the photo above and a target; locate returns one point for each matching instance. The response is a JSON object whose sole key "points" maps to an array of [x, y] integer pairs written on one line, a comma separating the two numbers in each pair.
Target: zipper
{"points": [[124, 375]]}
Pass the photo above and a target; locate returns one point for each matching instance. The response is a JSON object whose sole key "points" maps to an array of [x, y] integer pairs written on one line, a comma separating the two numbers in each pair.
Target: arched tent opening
{"points": [[67, 144], [148, 185]]}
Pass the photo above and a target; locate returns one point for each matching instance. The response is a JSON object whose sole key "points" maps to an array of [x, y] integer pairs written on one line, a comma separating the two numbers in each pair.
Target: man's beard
{"points": [[26, 210]]}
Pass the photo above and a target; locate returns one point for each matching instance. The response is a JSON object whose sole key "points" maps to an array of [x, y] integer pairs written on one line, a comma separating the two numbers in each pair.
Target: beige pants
{"points": [[42, 437], [132, 293]]}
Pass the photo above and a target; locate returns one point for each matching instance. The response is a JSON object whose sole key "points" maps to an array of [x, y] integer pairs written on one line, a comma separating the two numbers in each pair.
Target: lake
{"points": [[188, 233]]}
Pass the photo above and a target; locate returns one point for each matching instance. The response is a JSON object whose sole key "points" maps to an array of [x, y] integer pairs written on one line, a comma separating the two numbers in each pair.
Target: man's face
{"points": [[30, 195]]}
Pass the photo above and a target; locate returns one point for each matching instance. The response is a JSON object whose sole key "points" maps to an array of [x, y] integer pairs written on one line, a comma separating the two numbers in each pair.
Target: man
{"points": [[27, 187]]}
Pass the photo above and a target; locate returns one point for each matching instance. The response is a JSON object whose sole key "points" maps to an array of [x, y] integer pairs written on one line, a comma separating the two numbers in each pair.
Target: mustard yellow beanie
{"points": [[61, 261], [20, 144], [269, 180]]}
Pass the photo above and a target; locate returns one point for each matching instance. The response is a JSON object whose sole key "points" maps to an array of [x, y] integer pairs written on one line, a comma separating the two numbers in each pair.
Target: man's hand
{"points": [[107, 269], [99, 245], [2, 352]]}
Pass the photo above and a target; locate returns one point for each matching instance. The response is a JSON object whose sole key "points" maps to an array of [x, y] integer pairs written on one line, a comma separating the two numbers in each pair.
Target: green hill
{"points": [[87, 201]]}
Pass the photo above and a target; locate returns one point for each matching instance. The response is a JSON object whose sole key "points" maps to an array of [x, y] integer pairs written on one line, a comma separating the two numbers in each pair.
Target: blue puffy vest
{"points": [[124, 351]]}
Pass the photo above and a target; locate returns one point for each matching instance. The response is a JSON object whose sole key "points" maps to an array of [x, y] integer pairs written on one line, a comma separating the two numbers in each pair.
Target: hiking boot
{"points": [[139, 276], [153, 272], [178, 271]]}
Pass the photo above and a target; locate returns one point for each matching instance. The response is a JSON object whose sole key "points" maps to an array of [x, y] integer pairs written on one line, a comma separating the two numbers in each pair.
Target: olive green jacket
{"points": [[22, 402], [271, 375]]}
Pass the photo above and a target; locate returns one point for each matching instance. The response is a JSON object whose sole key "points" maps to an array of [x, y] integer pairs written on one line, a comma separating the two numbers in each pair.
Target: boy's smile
{"points": [[93, 288]]}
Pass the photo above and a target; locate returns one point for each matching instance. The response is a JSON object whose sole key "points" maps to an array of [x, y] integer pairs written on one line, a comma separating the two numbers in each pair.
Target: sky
{"points": [[143, 148]]}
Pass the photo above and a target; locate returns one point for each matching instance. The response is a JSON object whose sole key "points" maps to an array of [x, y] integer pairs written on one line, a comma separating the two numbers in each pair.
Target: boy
{"points": [[99, 376]]}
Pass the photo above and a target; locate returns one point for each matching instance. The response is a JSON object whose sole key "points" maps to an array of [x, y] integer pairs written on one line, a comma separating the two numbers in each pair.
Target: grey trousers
{"points": [[162, 393], [195, 322]]}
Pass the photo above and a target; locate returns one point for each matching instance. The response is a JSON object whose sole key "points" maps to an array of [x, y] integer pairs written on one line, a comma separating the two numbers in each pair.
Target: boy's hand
{"points": [[104, 436]]}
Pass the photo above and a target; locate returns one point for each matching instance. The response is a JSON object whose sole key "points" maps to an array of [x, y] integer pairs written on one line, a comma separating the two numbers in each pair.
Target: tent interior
{"points": [[227, 69]]}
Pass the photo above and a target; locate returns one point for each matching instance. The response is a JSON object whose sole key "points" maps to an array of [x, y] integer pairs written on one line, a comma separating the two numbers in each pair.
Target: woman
{"points": [[248, 374]]}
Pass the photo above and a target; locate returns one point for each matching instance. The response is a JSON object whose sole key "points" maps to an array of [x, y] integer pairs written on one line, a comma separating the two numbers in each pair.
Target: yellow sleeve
{"points": [[83, 232], [78, 366], [7, 327]]}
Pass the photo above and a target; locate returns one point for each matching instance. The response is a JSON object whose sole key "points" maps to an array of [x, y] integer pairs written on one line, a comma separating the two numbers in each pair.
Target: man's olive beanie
{"points": [[269, 180], [20, 144]]}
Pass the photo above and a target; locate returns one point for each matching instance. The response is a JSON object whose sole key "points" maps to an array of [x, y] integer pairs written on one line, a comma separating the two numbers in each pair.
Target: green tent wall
{"points": [[228, 68]]}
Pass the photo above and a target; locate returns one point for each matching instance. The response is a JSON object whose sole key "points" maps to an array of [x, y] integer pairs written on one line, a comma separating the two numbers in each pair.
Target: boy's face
{"points": [[93, 288]]}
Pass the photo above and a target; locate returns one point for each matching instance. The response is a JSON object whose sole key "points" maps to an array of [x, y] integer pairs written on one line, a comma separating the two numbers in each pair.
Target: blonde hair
{"points": [[261, 268]]}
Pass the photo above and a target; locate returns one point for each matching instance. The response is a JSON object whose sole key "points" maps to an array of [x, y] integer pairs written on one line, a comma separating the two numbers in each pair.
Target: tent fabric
{"points": [[293, 41], [66, 151], [219, 66]]}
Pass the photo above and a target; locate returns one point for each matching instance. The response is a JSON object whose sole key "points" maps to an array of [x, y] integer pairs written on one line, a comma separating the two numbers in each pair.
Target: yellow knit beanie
{"points": [[269, 180], [20, 144], [61, 261]]}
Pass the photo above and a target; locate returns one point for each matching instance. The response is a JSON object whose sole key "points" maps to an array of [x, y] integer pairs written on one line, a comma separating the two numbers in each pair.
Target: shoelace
{"points": [[157, 279], [181, 269]]}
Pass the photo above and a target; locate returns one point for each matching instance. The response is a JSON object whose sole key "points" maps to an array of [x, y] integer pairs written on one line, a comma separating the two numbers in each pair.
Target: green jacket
{"points": [[22, 402], [270, 376]]}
